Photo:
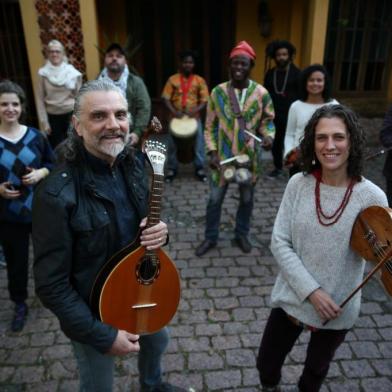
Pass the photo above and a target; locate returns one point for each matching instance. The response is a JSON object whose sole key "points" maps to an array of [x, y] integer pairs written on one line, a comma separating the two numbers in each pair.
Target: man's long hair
{"points": [[357, 138]]}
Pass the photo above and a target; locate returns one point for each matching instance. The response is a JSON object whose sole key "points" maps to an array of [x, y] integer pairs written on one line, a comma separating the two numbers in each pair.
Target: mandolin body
{"points": [[122, 299], [138, 290]]}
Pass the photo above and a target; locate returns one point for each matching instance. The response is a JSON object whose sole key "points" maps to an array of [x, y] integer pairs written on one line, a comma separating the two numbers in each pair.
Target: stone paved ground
{"points": [[224, 306]]}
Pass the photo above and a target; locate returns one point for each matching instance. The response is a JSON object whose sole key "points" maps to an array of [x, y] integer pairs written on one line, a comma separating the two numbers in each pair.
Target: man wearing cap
{"points": [[139, 103], [234, 107]]}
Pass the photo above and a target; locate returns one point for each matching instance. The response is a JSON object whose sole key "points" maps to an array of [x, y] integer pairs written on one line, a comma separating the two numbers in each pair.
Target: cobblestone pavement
{"points": [[223, 310]]}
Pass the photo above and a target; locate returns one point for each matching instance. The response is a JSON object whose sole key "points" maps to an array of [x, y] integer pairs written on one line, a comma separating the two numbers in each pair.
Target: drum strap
{"points": [[185, 87], [235, 107]]}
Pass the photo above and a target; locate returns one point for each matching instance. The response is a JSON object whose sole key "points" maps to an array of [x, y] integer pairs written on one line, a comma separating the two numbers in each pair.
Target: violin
{"points": [[291, 157], [371, 238]]}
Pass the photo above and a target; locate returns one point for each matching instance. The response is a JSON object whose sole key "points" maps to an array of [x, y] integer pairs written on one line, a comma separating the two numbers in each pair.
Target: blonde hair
{"points": [[55, 42]]}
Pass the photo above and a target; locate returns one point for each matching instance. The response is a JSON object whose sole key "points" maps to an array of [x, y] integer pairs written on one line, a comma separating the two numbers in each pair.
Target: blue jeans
{"points": [[200, 155], [96, 369], [214, 209]]}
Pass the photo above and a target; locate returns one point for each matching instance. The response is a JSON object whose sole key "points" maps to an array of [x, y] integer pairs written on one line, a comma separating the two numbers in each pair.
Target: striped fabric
{"points": [[222, 128]]}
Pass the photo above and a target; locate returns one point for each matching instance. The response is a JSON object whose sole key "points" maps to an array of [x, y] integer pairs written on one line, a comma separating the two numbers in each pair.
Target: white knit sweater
{"points": [[299, 115], [311, 255]]}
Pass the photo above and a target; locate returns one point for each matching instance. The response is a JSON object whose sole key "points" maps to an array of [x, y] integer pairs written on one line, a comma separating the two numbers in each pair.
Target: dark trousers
{"points": [[214, 210], [59, 124], [15, 241], [278, 145], [278, 339]]}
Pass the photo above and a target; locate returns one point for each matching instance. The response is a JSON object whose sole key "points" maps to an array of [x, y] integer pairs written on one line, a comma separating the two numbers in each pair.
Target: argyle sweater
{"points": [[32, 150]]}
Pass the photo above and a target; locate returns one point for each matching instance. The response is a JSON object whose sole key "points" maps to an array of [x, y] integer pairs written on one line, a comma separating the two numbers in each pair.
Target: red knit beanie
{"points": [[243, 49]]}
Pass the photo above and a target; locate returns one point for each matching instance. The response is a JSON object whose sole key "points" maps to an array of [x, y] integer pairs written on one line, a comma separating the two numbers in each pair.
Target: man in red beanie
{"points": [[236, 108]]}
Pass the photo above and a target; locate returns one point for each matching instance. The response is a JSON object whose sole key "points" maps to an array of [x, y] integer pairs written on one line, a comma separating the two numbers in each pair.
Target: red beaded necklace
{"points": [[339, 211]]}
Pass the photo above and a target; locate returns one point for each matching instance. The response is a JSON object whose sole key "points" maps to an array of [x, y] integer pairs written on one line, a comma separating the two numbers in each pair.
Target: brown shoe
{"points": [[204, 247]]}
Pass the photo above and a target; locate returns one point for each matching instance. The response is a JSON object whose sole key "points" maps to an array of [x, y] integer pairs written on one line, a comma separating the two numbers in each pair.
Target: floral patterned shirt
{"points": [[222, 130]]}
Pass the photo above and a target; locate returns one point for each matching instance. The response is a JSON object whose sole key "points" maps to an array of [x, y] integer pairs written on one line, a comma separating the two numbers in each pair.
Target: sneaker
{"points": [[170, 176], [275, 173], [204, 247], [243, 243], [201, 175], [20, 315]]}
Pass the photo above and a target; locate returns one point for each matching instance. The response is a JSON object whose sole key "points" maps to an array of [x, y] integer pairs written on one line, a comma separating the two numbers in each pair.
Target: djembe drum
{"points": [[183, 131]]}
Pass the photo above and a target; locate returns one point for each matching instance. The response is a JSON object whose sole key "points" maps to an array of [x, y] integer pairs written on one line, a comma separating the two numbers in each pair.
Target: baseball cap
{"points": [[115, 46]]}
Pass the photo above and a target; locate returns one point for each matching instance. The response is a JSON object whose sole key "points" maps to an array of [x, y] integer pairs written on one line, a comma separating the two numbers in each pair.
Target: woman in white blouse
{"points": [[315, 90], [58, 83]]}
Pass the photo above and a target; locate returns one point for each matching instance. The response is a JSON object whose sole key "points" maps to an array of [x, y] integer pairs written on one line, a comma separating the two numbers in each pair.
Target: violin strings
{"points": [[380, 252]]}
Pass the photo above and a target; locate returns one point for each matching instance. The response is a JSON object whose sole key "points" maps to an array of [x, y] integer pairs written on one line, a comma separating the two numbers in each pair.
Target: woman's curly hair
{"points": [[308, 159]]}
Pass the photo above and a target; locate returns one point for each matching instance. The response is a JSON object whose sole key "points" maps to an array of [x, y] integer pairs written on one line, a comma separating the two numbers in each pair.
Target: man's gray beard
{"points": [[114, 149]]}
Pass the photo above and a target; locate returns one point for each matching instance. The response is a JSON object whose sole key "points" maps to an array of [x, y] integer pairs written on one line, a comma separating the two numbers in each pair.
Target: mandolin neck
{"points": [[154, 213]]}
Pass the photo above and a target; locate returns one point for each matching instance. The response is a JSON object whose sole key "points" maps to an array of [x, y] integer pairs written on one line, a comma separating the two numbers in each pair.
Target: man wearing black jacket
{"points": [[90, 207], [281, 82]]}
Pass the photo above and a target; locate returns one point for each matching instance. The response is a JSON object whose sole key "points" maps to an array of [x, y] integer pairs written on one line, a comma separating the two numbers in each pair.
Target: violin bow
{"points": [[378, 153]]}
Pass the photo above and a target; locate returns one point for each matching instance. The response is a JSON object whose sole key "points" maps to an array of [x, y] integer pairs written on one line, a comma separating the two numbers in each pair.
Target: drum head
{"points": [[183, 127]]}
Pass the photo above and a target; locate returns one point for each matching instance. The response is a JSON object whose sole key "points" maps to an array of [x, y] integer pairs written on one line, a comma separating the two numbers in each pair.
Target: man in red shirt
{"points": [[186, 93]]}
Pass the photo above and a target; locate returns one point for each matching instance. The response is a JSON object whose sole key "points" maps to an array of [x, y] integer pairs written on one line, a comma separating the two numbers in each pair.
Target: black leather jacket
{"points": [[74, 233]]}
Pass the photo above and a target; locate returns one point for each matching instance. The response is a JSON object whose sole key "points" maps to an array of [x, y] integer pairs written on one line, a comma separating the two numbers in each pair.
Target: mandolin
{"points": [[138, 290]]}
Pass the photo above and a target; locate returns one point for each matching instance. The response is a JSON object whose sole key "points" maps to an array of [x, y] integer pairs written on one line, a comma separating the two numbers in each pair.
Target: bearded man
{"points": [[139, 104], [90, 207], [282, 82]]}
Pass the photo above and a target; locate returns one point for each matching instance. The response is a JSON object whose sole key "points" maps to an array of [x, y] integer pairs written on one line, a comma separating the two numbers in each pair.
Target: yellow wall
{"points": [[302, 22], [88, 17], [247, 29], [315, 32], [33, 41]]}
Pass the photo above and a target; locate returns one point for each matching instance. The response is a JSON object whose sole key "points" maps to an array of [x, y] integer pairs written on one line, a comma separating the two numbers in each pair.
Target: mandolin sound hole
{"points": [[147, 269]]}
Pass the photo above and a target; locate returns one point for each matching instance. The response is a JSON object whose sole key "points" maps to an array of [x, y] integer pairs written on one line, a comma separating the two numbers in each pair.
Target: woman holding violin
{"points": [[311, 244], [25, 159]]}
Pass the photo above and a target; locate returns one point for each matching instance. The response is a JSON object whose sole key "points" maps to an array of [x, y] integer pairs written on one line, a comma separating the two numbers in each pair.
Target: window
{"points": [[358, 45]]}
